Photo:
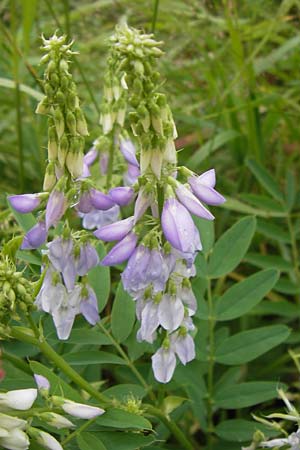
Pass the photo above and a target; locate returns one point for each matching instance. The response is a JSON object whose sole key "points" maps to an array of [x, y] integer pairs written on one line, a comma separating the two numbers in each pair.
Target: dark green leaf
{"points": [[231, 247], [26, 221], [123, 314], [248, 345], [115, 440], [268, 262], [243, 296], [265, 179], [272, 231], [207, 233], [84, 336], [241, 430], [246, 394], [92, 357], [122, 392], [282, 308], [99, 279], [88, 441], [120, 418]]}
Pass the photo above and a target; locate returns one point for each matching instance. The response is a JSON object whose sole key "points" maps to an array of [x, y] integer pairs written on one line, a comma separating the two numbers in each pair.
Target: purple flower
{"points": [[142, 203], [61, 256], [134, 277], [41, 382], [89, 306], [66, 307], [149, 322], [184, 347], [88, 258], [128, 151], [178, 227], [103, 162], [55, 208], [85, 203], [170, 312], [97, 218], [24, 203], [188, 199], [100, 200], [122, 195], [163, 364], [122, 251], [132, 174], [203, 188], [35, 237], [90, 156], [115, 231]]}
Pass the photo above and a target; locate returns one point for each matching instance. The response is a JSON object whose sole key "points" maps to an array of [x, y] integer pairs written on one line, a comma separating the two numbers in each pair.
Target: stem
{"points": [[128, 361], [155, 13], [16, 362], [78, 431], [211, 362], [51, 354], [175, 430]]}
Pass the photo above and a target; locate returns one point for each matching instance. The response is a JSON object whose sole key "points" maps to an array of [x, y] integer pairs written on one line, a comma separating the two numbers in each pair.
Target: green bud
{"points": [[81, 123], [43, 107], [54, 79], [138, 67], [63, 66], [59, 122], [71, 123], [59, 97], [11, 295], [50, 178], [74, 162], [72, 100], [137, 87], [52, 144], [6, 287], [63, 150]]}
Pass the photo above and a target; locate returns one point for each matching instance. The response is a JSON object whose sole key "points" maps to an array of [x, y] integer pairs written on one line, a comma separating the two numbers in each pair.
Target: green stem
{"points": [[78, 431], [211, 363], [155, 13], [128, 361], [16, 362], [175, 430]]}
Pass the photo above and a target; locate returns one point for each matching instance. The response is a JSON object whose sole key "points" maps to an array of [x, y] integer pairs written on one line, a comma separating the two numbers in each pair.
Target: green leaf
{"points": [[84, 336], [265, 179], [29, 11], [172, 402], [286, 286], [233, 204], [211, 146], [243, 296], [88, 441], [231, 247], [246, 394], [99, 279], [122, 392], [92, 357], [269, 262], [11, 84], [206, 229], [282, 308], [29, 257], [248, 345], [26, 221], [291, 189], [57, 385], [119, 418], [122, 315], [241, 430], [267, 62], [116, 440], [272, 231], [271, 207]]}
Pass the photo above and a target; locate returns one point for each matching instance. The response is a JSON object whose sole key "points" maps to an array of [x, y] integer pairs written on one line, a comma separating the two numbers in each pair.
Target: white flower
{"points": [[16, 439], [20, 399], [48, 441], [80, 410]]}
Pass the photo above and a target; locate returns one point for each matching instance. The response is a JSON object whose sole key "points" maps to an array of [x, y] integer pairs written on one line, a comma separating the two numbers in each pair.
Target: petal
{"points": [[48, 441], [188, 199], [24, 203], [163, 365], [20, 399], [132, 175], [115, 231], [41, 382], [89, 307], [35, 237], [128, 151], [85, 203], [142, 203], [88, 258], [10, 422], [55, 208], [80, 410], [100, 200], [170, 312], [122, 195], [90, 156], [208, 178], [184, 347], [149, 321], [16, 440], [122, 251]]}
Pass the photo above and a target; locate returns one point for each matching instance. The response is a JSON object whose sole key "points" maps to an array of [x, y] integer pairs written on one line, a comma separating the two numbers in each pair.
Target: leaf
{"points": [[26, 221], [265, 179], [248, 345], [241, 430], [268, 204], [267, 62], [29, 257], [206, 229], [88, 441], [84, 336], [268, 262], [92, 357], [115, 440], [236, 205], [272, 231], [172, 402], [122, 392], [231, 247], [99, 279], [286, 286], [120, 418], [210, 146], [29, 11], [246, 394], [11, 84], [243, 296], [57, 385], [282, 308], [122, 315]]}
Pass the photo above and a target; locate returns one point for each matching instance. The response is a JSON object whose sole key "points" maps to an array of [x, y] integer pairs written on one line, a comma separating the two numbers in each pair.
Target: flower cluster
{"points": [[160, 241], [17, 433], [15, 292]]}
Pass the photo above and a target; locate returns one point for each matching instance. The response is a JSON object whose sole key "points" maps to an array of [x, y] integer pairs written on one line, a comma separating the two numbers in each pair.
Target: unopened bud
{"points": [[71, 123], [59, 122], [81, 123]]}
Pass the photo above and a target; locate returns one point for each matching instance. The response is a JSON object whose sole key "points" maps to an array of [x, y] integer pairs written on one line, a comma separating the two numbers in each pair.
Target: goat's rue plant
{"points": [[161, 282]]}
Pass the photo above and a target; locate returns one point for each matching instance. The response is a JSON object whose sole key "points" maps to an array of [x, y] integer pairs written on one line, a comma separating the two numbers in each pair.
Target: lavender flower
{"points": [[89, 305], [97, 218], [170, 312], [35, 237], [88, 259], [115, 231], [188, 199], [184, 347], [203, 188], [61, 256], [163, 364], [122, 195], [128, 151], [100, 200], [179, 228], [149, 322], [55, 208], [85, 203], [131, 176], [121, 251], [24, 203]]}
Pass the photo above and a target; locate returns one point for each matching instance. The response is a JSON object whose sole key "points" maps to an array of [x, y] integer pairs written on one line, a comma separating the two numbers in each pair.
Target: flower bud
{"points": [[56, 420], [81, 410], [81, 123], [50, 177], [20, 399], [59, 122]]}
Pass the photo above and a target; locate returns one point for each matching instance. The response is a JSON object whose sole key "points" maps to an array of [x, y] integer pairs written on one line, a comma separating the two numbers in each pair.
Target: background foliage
{"points": [[231, 71]]}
